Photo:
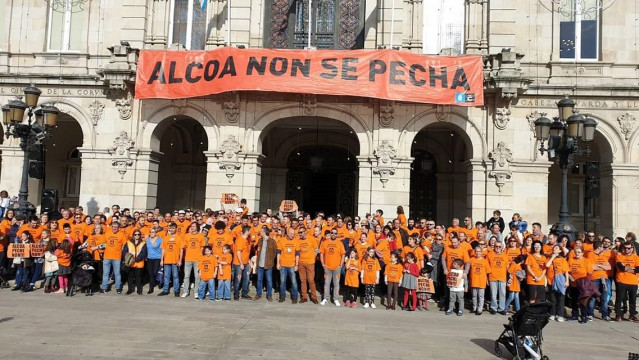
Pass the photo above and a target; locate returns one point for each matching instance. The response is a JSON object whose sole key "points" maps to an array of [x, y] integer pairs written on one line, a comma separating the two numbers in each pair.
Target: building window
{"points": [[443, 26], [73, 181], [579, 30], [188, 24], [335, 24], [67, 25]]}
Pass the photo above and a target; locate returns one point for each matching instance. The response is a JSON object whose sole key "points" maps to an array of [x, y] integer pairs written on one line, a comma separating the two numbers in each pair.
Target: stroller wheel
{"points": [[498, 349], [545, 357]]}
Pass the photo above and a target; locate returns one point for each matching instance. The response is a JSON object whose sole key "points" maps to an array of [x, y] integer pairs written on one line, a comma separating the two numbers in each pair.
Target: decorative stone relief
{"points": [[180, 106], [229, 162], [349, 22], [386, 113], [96, 109], [627, 124], [385, 153], [232, 107], [442, 112], [501, 157], [124, 106], [121, 152], [309, 104], [502, 117], [532, 117]]}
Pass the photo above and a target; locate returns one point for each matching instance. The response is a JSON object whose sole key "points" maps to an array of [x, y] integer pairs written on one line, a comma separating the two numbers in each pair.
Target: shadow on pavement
{"points": [[486, 344], [6, 319]]}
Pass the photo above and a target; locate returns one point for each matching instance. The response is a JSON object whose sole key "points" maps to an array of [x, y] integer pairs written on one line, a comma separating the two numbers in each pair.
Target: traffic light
{"points": [[36, 152], [592, 179]]}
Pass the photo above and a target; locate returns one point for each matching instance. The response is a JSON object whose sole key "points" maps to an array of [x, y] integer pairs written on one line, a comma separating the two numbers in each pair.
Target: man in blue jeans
{"points": [[115, 239], [266, 251], [288, 258], [241, 268], [171, 259], [599, 277]]}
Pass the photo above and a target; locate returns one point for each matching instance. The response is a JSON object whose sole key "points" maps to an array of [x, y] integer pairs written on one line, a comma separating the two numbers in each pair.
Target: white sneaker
{"points": [[324, 302], [553, 317], [366, 306], [336, 303], [195, 294], [184, 294], [373, 306], [560, 319]]}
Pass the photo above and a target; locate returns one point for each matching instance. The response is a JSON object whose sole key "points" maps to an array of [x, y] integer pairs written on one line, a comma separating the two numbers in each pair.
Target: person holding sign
{"points": [[22, 262]]}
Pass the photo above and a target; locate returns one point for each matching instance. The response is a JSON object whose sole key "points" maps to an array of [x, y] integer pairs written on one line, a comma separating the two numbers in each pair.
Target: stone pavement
{"points": [[110, 326]]}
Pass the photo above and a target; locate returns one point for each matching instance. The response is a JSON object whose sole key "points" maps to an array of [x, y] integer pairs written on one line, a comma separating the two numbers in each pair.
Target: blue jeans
{"points": [[286, 272], [201, 292], [497, 290], [22, 276], [599, 283], [36, 271], [608, 294], [168, 269], [241, 279], [224, 289], [512, 296], [106, 270], [260, 281]]}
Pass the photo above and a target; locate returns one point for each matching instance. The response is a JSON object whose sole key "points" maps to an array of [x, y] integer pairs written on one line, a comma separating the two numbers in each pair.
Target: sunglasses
{"points": [[627, 248], [333, 233], [136, 234]]}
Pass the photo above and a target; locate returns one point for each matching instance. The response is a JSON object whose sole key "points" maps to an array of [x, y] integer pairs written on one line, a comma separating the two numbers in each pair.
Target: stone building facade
{"points": [[340, 154]]}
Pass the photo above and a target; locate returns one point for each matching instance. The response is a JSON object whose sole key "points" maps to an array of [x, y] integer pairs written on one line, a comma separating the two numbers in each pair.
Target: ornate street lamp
{"points": [[563, 136], [30, 133]]}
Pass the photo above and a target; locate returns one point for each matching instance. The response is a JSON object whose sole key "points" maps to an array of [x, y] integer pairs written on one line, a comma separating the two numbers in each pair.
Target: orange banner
{"points": [[384, 74]]}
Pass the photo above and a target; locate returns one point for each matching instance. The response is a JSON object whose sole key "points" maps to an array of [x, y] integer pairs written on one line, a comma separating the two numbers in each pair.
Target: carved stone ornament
{"points": [[627, 124], [532, 117], [309, 104], [385, 153], [121, 152], [124, 106], [228, 151], [232, 107], [501, 157], [96, 109], [386, 113], [504, 76], [442, 112], [180, 106], [502, 117]]}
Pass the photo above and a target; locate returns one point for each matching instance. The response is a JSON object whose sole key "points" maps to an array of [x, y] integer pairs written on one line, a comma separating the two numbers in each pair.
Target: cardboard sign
{"points": [[228, 199], [18, 251], [381, 74], [37, 250], [425, 284], [288, 206], [453, 279]]}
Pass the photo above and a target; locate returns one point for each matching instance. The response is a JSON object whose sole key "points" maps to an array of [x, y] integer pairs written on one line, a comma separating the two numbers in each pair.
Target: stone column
{"points": [[476, 189], [412, 34], [383, 186], [240, 175], [530, 184], [619, 187], [476, 27], [147, 165], [11, 174]]}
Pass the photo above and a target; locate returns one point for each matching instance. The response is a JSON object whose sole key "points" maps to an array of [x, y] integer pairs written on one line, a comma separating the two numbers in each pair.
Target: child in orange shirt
{"points": [[409, 281], [224, 274], [370, 277], [64, 265], [208, 271], [479, 270], [351, 281], [392, 277], [515, 275]]}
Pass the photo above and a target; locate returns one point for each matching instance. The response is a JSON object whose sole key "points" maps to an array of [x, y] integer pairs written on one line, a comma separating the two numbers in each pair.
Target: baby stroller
{"points": [[82, 274], [522, 335]]}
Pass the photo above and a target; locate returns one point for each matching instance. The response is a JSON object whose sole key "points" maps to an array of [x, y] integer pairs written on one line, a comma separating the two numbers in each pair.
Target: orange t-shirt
{"points": [[288, 248], [78, 231], [479, 270], [514, 285], [226, 268], [370, 267], [64, 259], [393, 272], [114, 243], [537, 266], [193, 243], [579, 268], [207, 266], [623, 276], [172, 247], [333, 251], [471, 234], [601, 259], [512, 253], [559, 266], [384, 247], [182, 226], [35, 232], [353, 267], [417, 251], [546, 249], [94, 241], [588, 248], [361, 249], [498, 266], [452, 254], [218, 241], [243, 245], [307, 250]]}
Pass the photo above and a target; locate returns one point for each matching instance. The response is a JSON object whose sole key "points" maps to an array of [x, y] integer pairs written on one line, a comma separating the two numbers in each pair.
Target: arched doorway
{"points": [[439, 175], [182, 169], [597, 211], [312, 161], [63, 162]]}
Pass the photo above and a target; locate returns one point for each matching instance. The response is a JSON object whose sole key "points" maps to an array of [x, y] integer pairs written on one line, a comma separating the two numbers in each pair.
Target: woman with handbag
{"points": [[134, 256], [154, 255]]}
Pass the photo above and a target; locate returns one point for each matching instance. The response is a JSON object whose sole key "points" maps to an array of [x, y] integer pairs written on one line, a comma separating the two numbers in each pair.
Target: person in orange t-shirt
{"points": [[413, 247], [241, 268], [393, 273], [306, 268], [207, 267], [479, 270], [332, 257], [171, 259], [115, 239], [557, 265], [627, 265], [497, 278], [536, 274], [224, 274], [370, 277], [580, 267], [288, 257], [63, 253], [351, 280], [219, 238], [192, 243], [600, 260]]}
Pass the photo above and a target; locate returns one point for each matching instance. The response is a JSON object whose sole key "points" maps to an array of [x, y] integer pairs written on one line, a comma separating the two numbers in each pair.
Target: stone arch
{"points": [[286, 148], [152, 129], [81, 117], [468, 129], [613, 137], [255, 136]]}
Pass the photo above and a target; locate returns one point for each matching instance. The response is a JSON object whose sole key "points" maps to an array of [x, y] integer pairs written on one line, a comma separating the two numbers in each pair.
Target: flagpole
{"points": [[310, 26], [228, 23]]}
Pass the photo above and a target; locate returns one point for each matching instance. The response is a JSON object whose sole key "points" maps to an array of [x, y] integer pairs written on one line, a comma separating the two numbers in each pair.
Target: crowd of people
{"points": [[478, 266]]}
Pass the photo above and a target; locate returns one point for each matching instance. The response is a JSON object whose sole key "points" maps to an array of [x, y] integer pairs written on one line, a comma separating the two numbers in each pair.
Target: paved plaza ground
{"points": [[110, 326]]}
